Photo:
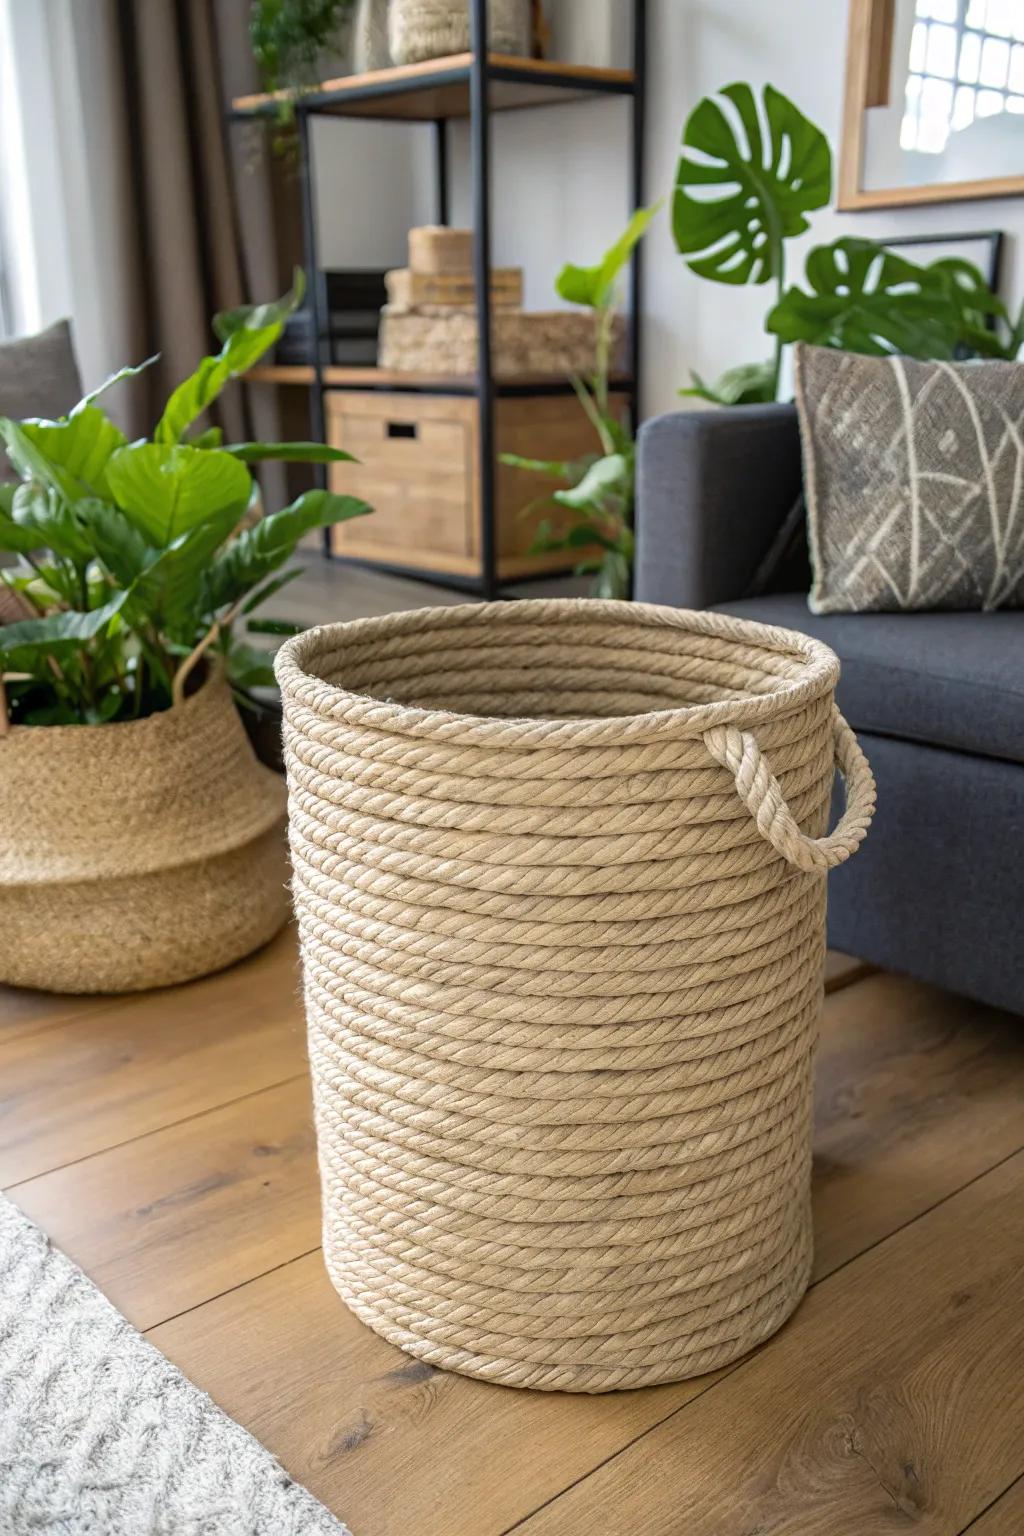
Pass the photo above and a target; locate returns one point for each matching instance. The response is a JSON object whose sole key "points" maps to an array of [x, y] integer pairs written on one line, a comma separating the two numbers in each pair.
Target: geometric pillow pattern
{"points": [[914, 478]]}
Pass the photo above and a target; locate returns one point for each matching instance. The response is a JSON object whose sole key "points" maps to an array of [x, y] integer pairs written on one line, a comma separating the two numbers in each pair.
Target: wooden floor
{"points": [[164, 1142], [334, 591]]}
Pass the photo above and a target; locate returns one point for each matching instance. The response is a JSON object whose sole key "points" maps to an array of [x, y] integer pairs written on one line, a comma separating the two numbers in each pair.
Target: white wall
{"points": [[374, 181], [36, 246], [561, 177]]}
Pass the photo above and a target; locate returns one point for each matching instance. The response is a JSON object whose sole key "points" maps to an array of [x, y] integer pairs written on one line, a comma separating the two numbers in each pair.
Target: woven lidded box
{"points": [[434, 248], [432, 29], [438, 340]]}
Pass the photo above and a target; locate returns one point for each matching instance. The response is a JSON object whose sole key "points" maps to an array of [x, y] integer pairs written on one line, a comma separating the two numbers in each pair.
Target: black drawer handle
{"points": [[402, 429]]}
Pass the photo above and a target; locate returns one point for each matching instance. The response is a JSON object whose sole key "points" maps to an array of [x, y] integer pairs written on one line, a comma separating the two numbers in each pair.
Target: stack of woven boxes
{"points": [[414, 424], [429, 324]]}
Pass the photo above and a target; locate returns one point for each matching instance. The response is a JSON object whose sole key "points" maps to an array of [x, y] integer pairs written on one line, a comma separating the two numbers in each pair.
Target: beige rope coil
{"points": [[558, 872]]}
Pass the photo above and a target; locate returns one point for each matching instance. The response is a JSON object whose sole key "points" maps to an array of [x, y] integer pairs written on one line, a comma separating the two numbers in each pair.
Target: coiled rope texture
{"points": [[558, 872]]}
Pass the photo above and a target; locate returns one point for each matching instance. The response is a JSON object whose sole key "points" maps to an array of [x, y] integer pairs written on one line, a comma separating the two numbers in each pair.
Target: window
{"points": [[966, 61], [6, 296], [6, 317]]}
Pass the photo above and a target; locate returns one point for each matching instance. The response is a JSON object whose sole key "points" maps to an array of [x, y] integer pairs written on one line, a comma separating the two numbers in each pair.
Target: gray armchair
{"points": [[937, 700]]}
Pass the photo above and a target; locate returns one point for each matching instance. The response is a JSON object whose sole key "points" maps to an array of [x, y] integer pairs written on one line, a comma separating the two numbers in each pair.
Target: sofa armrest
{"points": [[713, 489]]}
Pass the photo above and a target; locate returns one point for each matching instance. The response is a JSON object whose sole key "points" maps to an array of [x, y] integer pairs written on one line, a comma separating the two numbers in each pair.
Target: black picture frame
{"points": [[988, 258]]}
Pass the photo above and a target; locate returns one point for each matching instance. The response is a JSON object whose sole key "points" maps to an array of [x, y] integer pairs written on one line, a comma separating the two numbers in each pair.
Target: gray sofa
{"points": [[937, 700]]}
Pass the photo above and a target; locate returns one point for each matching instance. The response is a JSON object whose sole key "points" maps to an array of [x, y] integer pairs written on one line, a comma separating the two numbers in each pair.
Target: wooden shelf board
{"points": [[428, 564], [353, 377], [439, 88], [336, 377], [281, 373]]}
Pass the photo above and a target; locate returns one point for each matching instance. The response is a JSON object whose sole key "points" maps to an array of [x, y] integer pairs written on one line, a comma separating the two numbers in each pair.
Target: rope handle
{"points": [[759, 790]]}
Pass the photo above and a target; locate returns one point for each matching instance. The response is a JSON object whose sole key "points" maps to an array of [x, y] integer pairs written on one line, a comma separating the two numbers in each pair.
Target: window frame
{"points": [[868, 69], [962, 27]]}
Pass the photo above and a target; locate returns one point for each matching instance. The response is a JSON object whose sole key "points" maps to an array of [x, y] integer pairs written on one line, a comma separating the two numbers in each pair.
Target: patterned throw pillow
{"points": [[914, 477]]}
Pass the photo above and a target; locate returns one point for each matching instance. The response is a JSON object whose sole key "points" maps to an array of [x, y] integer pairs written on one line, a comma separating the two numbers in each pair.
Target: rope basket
{"points": [[137, 854], [433, 29], [559, 877]]}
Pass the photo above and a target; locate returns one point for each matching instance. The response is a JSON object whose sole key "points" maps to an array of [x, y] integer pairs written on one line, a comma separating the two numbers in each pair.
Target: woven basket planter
{"points": [[140, 854], [432, 29], [559, 875]]}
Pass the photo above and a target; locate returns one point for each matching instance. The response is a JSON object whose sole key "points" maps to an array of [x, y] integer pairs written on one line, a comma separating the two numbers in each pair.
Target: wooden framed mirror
{"points": [[934, 108]]}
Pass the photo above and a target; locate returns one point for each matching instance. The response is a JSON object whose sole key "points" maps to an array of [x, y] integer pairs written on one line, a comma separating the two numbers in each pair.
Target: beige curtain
{"points": [[213, 220]]}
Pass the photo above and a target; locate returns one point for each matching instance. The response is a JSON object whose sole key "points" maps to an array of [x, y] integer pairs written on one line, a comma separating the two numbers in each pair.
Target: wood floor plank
{"points": [[376, 1435], [165, 1222], [24, 1012], [120, 1072], [917, 1092], [843, 970], [892, 1400], [1006, 1516]]}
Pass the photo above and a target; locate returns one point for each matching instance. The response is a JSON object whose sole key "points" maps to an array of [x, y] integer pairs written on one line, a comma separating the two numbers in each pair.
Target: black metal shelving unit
{"points": [[472, 86]]}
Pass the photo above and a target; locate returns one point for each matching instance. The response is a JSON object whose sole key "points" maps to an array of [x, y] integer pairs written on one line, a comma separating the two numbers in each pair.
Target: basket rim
{"points": [[214, 680], [107, 830], [302, 685]]}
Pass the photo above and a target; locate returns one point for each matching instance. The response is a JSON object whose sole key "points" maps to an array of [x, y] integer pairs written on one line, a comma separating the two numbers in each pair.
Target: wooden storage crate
{"points": [[419, 470]]}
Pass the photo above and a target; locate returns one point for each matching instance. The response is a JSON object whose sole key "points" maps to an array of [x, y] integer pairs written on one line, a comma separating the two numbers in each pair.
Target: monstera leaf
{"points": [[756, 173], [746, 384], [866, 299], [983, 318]]}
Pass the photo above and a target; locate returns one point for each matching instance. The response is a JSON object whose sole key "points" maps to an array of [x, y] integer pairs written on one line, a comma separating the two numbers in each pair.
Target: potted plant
{"points": [[143, 841], [749, 174], [598, 489], [292, 41]]}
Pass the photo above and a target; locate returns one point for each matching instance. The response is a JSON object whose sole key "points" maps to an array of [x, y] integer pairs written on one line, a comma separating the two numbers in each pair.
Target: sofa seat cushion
{"points": [[947, 679]]}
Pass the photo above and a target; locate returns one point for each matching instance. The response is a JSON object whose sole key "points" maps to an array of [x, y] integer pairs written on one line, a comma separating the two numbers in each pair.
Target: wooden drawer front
{"points": [[539, 427], [417, 469]]}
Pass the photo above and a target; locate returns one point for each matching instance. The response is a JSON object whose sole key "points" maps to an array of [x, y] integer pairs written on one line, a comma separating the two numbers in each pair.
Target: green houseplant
{"points": [[597, 490], [289, 39], [136, 560], [146, 841], [749, 174]]}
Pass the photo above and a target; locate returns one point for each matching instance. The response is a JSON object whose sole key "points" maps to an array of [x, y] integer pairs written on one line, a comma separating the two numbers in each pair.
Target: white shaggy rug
{"points": [[100, 1435]]}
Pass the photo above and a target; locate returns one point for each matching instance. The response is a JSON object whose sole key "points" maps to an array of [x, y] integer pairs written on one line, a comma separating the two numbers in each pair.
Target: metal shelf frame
{"points": [[482, 72]]}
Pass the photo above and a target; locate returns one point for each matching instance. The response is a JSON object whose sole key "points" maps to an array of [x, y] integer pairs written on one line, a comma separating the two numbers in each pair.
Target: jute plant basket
{"points": [[139, 854], [559, 871], [431, 29]]}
